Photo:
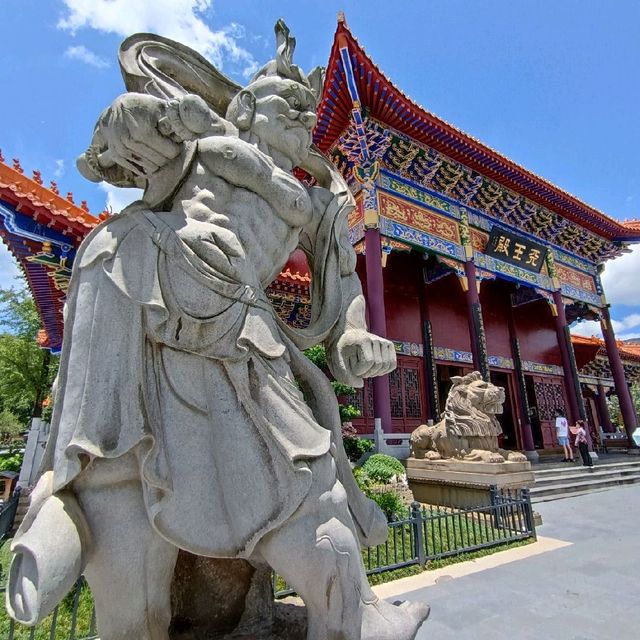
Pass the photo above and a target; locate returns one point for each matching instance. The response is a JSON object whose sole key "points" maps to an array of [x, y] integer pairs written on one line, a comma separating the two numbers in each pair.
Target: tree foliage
{"points": [[613, 404], [348, 412], [26, 370], [11, 428]]}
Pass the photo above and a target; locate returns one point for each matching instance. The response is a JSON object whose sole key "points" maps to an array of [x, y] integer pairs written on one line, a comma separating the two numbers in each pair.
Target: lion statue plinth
{"points": [[469, 429]]}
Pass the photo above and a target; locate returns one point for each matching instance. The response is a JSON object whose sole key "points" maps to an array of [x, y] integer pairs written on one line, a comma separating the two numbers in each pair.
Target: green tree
{"points": [[613, 404], [635, 396], [26, 370], [11, 428]]}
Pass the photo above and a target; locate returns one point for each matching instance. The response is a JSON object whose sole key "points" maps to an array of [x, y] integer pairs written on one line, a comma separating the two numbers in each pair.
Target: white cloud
{"points": [[623, 328], [633, 335], [180, 20], [621, 279], [118, 198], [83, 54], [587, 328], [59, 170]]}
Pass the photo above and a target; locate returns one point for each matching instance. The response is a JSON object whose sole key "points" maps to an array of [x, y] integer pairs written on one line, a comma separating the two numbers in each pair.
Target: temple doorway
{"points": [[509, 437], [445, 372], [534, 414]]}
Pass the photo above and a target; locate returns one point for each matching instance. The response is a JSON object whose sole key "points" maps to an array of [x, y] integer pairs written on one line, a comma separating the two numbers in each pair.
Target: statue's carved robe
{"points": [[207, 401]]}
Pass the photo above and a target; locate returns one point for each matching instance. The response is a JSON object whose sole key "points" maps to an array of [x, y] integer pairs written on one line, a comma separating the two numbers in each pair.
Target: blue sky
{"points": [[552, 84]]}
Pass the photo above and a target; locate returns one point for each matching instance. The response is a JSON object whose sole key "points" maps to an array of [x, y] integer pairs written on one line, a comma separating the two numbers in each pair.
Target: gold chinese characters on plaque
{"points": [[515, 249]]}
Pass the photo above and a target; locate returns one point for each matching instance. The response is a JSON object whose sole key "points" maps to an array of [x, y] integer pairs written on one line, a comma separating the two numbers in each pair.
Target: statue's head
{"points": [[473, 392], [279, 104]]}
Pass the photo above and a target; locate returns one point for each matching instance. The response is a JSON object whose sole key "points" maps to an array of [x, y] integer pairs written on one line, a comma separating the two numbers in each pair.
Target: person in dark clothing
{"points": [[583, 444]]}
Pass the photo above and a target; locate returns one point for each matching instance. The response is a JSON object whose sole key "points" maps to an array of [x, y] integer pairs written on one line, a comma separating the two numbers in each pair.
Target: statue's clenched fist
{"points": [[142, 133], [358, 354]]}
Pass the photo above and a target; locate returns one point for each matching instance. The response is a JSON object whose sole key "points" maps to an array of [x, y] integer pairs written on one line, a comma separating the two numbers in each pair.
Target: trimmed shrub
{"points": [[11, 462], [390, 503], [357, 447], [362, 479], [381, 467]]}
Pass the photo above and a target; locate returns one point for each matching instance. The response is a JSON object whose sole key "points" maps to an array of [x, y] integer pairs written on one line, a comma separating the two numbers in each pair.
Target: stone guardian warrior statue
{"points": [[186, 415]]}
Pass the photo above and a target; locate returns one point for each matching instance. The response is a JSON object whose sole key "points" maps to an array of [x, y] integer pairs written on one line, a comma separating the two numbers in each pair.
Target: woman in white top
{"points": [[562, 433]]}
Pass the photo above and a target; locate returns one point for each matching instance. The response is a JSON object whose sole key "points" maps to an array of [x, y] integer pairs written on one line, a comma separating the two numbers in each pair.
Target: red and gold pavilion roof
{"points": [[384, 102]]}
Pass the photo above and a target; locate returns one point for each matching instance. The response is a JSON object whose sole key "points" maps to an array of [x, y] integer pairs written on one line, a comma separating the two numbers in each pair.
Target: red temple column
{"points": [[377, 321], [571, 382], [428, 359], [603, 410], [622, 388], [521, 390], [476, 324]]}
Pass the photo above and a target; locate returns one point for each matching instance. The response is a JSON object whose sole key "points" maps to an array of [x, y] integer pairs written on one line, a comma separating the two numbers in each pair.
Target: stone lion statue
{"points": [[469, 429]]}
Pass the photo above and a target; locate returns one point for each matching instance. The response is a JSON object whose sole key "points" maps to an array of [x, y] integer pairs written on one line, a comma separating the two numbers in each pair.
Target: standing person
{"points": [[583, 444], [562, 433]]}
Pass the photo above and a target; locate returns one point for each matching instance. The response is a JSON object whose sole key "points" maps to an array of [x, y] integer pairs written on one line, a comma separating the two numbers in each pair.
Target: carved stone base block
{"points": [[218, 599], [455, 483]]}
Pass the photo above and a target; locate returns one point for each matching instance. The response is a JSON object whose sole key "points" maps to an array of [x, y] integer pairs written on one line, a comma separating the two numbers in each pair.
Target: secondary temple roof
{"points": [[356, 88], [42, 229]]}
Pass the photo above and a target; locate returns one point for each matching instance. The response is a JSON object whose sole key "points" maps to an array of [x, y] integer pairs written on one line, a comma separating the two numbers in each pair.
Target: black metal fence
{"points": [[426, 534], [432, 533], [73, 619]]}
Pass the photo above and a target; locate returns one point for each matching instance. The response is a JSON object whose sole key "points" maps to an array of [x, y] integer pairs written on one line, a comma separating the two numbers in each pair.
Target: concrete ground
{"points": [[581, 581]]}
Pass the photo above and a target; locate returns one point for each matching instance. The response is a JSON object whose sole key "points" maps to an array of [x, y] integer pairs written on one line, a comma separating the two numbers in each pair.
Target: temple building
{"points": [[468, 261]]}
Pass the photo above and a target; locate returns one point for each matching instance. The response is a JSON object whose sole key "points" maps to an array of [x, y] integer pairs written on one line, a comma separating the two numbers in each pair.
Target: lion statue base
{"points": [[469, 429]]}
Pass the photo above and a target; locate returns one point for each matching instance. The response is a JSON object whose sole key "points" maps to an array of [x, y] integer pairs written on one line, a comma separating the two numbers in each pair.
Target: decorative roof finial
{"points": [[17, 166], [37, 176], [342, 18]]}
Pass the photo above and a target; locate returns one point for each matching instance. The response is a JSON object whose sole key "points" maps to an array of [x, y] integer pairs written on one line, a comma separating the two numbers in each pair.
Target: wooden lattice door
{"points": [[550, 396], [406, 387]]}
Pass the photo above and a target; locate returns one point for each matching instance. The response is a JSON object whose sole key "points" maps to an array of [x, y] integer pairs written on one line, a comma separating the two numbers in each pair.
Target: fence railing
{"points": [[426, 534], [73, 619], [432, 533]]}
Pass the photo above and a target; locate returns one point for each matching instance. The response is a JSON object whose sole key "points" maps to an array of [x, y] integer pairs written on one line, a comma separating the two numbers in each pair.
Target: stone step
{"points": [[577, 465], [580, 474], [586, 485]]}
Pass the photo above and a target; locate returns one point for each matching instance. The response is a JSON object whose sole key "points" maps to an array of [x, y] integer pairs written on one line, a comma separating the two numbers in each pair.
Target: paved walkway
{"points": [[588, 589]]}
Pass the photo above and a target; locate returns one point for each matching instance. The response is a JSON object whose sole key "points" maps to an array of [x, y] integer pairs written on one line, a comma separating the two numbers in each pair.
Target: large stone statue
{"points": [[469, 429], [186, 416]]}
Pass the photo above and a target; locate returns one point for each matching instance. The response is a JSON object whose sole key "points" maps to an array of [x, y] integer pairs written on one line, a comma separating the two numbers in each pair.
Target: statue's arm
{"points": [[243, 165], [353, 353]]}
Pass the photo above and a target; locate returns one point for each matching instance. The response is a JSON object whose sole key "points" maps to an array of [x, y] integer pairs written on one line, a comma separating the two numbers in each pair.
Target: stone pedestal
{"points": [[455, 483], [220, 599]]}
